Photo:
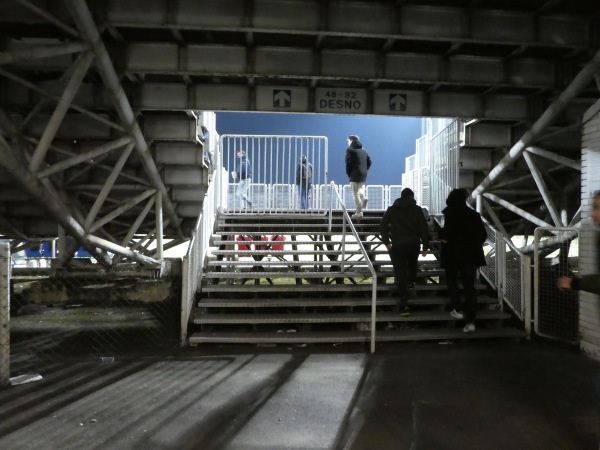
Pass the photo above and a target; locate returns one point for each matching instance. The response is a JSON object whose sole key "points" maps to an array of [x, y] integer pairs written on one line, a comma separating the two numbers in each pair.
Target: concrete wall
{"points": [[589, 308]]}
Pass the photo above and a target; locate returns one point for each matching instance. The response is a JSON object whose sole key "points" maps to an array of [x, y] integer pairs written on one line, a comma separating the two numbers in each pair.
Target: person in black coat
{"points": [[304, 173], [358, 163], [462, 237], [403, 230]]}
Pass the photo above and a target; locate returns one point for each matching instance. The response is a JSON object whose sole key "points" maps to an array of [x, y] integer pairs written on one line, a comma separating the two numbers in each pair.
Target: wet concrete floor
{"points": [[493, 395]]}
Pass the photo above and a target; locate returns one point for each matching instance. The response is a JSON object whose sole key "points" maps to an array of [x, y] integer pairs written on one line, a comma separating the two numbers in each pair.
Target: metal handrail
{"points": [[198, 248], [346, 219]]}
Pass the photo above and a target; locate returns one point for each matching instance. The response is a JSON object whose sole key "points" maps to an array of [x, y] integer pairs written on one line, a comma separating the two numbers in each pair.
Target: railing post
{"points": [[185, 299], [159, 229], [526, 293], [4, 313], [343, 243], [501, 252]]}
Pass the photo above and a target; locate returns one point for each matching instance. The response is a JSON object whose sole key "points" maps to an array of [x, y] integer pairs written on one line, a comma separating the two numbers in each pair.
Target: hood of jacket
{"points": [[455, 209], [404, 202]]}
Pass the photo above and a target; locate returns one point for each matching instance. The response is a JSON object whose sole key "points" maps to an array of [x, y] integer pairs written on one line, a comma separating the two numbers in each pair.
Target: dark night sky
{"points": [[388, 140]]}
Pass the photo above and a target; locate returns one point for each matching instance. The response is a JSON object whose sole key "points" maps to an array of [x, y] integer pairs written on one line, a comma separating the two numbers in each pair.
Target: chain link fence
{"points": [[556, 312], [515, 285], [59, 314], [4, 313], [490, 270]]}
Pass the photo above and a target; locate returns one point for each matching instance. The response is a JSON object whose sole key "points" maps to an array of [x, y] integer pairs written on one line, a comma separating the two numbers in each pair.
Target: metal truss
{"points": [[526, 150], [85, 186]]}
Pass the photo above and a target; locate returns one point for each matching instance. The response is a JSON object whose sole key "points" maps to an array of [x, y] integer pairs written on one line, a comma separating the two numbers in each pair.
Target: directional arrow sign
{"points": [[397, 102], [282, 98]]}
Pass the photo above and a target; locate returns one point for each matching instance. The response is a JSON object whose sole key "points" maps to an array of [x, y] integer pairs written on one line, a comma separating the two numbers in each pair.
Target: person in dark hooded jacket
{"points": [[462, 237], [403, 230], [358, 163]]}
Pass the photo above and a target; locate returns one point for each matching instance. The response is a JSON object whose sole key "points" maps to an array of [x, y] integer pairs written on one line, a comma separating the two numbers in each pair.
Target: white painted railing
{"points": [[337, 199]]}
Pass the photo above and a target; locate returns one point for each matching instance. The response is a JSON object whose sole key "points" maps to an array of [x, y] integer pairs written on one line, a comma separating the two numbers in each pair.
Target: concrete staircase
{"points": [[301, 294]]}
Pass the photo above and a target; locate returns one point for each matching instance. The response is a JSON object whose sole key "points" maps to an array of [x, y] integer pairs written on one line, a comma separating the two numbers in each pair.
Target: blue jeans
{"points": [[303, 195], [241, 192]]}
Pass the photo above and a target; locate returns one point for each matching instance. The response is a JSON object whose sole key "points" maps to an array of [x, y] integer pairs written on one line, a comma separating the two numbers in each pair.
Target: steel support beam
{"points": [[108, 184], [82, 65], [493, 216], [49, 17], [580, 81], [576, 217], [518, 211], [48, 51], [567, 162], [50, 96], [541, 185], [136, 225], [56, 211], [89, 32], [75, 160], [121, 209], [159, 228]]}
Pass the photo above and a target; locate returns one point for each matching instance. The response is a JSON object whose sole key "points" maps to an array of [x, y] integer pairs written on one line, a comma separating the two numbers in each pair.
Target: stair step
{"points": [[263, 302], [350, 273], [291, 252], [223, 232], [415, 316], [312, 216], [244, 319], [229, 275], [382, 268], [216, 241], [285, 263], [363, 287], [288, 228], [354, 336]]}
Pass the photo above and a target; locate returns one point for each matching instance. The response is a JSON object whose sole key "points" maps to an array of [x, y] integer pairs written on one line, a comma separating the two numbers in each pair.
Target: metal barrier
{"points": [[193, 261], [376, 196], [257, 163], [444, 165], [490, 270], [4, 313], [556, 313], [335, 198], [283, 197], [515, 276]]}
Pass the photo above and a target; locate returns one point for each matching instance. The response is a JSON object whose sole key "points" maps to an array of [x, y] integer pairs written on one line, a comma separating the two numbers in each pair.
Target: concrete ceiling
{"points": [[500, 59]]}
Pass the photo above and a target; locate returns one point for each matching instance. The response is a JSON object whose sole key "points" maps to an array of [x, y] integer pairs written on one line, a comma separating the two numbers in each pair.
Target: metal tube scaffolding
{"points": [[89, 32], [54, 207], [582, 79], [40, 52]]}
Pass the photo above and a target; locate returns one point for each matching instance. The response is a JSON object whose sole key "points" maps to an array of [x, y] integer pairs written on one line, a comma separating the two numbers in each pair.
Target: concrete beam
{"points": [[179, 153], [362, 18], [169, 127]]}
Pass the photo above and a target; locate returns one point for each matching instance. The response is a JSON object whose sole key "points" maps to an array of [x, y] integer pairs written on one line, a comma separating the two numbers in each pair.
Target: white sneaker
{"points": [[457, 315], [469, 328], [357, 215]]}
